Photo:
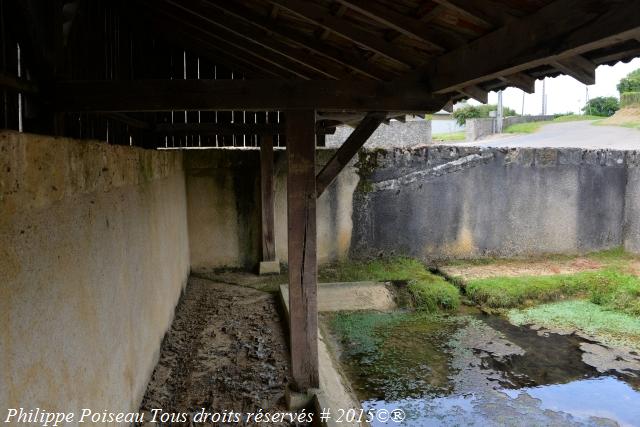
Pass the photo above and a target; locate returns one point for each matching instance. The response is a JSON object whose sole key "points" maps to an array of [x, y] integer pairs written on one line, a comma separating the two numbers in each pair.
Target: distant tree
{"points": [[477, 112], [631, 83], [603, 106]]}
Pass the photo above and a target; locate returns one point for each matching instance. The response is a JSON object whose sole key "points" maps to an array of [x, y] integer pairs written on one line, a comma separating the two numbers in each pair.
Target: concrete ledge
{"points": [[269, 267]]}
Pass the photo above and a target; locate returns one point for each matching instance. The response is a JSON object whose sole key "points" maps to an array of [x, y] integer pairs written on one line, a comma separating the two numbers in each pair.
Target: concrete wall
{"points": [[223, 188], [467, 202], [395, 134], [632, 205], [431, 202], [93, 257]]}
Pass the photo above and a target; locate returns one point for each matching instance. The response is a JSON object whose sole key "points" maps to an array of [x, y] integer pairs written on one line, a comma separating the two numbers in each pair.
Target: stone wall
{"points": [[430, 202], [479, 128], [632, 206], [93, 258], [395, 134]]}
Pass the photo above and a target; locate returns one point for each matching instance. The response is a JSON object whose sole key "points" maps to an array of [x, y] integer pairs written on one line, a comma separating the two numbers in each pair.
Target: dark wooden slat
{"points": [[521, 81], [256, 95], [17, 85], [321, 17], [579, 68], [254, 35], [267, 192], [226, 128], [354, 62], [348, 149], [301, 218], [128, 120], [403, 24], [545, 36], [476, 93]]}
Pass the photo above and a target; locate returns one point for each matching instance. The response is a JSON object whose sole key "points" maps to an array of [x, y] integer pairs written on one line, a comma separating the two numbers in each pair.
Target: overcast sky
{"points": [[564, 94]]}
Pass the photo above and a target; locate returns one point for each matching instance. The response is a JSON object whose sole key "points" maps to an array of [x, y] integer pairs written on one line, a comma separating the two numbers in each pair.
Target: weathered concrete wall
{"points": [[431, 202], [632, 206], [93, 257], [395, 134], [468, 202], [223, 188]]}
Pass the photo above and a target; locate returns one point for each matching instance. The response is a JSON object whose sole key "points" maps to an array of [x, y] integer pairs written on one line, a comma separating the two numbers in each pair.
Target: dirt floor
{"points": [[521, 268], [226, 350]]}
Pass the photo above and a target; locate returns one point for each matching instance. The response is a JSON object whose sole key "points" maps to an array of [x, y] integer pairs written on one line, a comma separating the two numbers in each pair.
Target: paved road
{"points": [[572, 134]]}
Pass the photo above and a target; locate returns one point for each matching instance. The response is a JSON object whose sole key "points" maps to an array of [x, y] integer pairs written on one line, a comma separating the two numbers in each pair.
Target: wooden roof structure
{"points": [[211, 73]]}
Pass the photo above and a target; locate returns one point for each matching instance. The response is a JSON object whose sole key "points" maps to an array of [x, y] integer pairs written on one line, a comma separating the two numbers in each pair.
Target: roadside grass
{"points": [[535, 126], [609, 288], [450, 137], [611, 327], [430, 292]]}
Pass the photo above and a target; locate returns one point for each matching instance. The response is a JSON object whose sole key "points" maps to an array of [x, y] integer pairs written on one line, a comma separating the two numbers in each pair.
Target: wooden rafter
{"points": [[354, 62], [577, 67], [317, 14], [522, 81], [531, 42], [262, 40]]}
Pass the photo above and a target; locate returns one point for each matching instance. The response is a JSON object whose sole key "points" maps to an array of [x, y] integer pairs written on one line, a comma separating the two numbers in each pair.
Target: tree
{"points": [[631, 83], [477, 112], [603, 106]]}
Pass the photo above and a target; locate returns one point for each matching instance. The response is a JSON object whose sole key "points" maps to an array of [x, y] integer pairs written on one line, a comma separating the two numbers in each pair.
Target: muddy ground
{"points": [[226, 350]]}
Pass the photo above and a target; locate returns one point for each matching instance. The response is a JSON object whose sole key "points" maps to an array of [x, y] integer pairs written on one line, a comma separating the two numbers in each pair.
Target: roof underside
{"points": [[339, 57]]}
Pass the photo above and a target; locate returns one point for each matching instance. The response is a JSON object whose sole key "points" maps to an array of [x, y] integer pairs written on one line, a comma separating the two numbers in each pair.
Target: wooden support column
{"points": [[301, 217], [270, 264]]}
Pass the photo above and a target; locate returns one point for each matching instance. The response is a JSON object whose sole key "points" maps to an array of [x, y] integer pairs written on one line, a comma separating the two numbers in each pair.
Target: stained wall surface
{"points": [[94, 255]]}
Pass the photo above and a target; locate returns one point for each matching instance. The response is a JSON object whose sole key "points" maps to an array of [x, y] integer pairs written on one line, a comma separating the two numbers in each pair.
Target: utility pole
{"points": [[499, 113], [544, 97], [523, 94]]}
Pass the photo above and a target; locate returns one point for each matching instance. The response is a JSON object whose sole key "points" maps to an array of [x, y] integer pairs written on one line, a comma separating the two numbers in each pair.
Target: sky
{"points": [[565, 94]]}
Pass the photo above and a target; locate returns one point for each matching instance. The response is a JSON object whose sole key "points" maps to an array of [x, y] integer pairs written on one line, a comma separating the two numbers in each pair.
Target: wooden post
{"points": [[301, 216], [270, 264]]}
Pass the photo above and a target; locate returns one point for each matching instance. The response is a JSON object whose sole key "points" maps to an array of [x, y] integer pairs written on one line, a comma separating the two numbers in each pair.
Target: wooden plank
{"points": [[577, 67], [219, 128], [239, 28], [267, 192], [563, 29], [320, 16], [476, 93], [348, 149], [255, 95], [403, 24], [15, 84], [301, 218], [522, 81], [352, 60]]}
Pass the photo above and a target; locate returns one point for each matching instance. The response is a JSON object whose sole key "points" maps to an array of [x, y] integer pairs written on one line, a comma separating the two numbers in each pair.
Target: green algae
{"points": [[611, 327]]}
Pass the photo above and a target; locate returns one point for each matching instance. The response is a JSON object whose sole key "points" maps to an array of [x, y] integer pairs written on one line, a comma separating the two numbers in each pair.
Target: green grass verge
{"points": [[448, 137], [611, 327], [609, 288], [535, 126], [430, 292]]}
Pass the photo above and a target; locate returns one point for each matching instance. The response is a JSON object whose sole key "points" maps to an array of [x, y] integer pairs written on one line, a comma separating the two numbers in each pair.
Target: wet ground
{"points": [[226, 351], [476, 369]]}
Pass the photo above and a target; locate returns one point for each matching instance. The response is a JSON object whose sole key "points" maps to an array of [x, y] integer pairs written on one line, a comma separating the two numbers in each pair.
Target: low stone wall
{"points": [[431, 202], [480, 128], [394, 134], [93, 258]]}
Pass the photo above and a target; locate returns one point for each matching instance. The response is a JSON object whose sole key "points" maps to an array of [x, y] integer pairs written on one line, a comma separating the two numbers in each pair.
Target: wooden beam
{"points": [[128, 120], [476, 93], [319, 15], [301, 218], [577, 67], [352, 61], [253, 95], [403, 24], [267, 191], [483, 12], [347, 150], [560, 30], [522, 81], [17, 85], [253, 35]]}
